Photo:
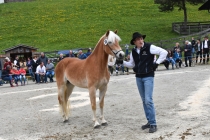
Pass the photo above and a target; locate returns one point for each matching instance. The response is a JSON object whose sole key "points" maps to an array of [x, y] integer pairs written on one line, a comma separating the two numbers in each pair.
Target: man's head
{"points": [[206, 37], [49, 61], [61, 55], [70, 51], [186, 42], [137, 39], [41, 64], [16, 57], [177, 44], [80, 51], [42, 54], [35, 57]]}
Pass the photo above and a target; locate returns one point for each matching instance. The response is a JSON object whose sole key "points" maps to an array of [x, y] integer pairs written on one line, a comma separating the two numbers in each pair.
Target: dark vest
{"points": [[143, 61]]}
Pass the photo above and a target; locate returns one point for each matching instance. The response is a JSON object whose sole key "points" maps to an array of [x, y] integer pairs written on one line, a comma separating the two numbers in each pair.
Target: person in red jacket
{"points": [[15, 75], [7, 62], [22, 72]]}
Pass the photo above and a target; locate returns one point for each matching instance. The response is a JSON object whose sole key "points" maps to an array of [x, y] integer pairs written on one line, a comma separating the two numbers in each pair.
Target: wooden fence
{"points": [[190, 27]]}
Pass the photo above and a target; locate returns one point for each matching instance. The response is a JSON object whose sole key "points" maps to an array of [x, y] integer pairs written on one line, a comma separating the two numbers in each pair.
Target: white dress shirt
{"points": [[153, 50], [40, 69], [205, 44]]}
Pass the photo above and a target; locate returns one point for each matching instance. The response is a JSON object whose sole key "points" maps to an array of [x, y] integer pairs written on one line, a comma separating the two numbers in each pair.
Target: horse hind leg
{"points": [[102, 92], [63, 96]]}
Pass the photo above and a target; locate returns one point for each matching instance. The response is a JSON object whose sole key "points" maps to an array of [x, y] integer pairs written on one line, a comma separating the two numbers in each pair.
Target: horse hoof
{"points": [[65, 121], [97, 126], [104, 124]]}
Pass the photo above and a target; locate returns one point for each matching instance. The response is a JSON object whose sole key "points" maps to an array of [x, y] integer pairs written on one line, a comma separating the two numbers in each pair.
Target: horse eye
{"points": [[109, 42]]}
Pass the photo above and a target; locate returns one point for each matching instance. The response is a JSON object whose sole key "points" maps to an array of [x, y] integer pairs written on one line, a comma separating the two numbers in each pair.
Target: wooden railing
{"points": [[190, 27]]}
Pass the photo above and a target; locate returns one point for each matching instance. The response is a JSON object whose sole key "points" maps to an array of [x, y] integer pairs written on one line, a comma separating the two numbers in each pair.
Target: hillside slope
{"points": [[64, 24]]}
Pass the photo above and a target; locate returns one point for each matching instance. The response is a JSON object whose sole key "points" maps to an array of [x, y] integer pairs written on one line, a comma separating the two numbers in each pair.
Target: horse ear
{"points": [[107, 33], [115, 31]]}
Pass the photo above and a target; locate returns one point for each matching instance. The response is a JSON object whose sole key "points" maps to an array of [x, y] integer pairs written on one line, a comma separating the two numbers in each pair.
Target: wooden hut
{"points": [[23, 51]]}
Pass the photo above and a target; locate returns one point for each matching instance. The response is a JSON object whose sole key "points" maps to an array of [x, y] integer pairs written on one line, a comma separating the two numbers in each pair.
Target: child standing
{"points": [[22, 72]]}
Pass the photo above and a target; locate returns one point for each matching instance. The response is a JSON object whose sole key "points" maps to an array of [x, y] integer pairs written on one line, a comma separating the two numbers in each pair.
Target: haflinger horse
{"points": [[91, 73]]}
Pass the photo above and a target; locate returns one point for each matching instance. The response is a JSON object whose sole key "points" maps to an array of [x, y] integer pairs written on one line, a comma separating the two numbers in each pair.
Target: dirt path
{"points": [[181, 99]]}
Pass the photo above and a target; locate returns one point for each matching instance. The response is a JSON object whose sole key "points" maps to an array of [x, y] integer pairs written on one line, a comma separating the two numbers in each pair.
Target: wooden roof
{"points": [[205, 6], [20, 45]]}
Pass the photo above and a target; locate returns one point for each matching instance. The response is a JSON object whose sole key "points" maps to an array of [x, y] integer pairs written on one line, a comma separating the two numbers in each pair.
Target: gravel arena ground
{"points": [[181, 97]]}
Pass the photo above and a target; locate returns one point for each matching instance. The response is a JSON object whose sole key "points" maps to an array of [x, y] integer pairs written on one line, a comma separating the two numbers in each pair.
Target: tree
{"points": [[168, 5]]}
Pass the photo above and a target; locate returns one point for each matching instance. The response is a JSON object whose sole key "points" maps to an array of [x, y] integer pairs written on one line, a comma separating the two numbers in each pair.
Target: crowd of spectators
{"points": [[40, 69]]}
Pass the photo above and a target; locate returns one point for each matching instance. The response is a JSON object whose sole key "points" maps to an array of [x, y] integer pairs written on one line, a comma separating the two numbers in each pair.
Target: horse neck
{"points": [[99, 56]]}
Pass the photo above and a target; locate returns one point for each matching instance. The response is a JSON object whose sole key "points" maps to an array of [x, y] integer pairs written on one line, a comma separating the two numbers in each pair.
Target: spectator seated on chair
{"points": [[166, 63], [81, 55], [50, 70], [7, 76], [170, 59], [22, 76], [177, 58], [15, 75], [41, 73]]}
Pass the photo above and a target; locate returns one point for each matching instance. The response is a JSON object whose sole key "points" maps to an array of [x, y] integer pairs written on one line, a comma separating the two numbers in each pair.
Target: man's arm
{"points": [[129, 64], [158, 51], [44, 69]]}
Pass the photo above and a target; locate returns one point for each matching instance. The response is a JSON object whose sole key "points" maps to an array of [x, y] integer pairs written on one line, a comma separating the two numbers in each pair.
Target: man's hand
{"points": [[155, 66], [119, 61]]}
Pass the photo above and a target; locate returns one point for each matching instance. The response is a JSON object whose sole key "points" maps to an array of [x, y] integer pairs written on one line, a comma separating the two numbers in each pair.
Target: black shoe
{"points": [[153, 128], [186, 66], [145, 126]]}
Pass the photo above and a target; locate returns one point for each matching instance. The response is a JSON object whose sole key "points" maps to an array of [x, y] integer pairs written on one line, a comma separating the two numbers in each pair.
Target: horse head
{"points": [[112, 47]]}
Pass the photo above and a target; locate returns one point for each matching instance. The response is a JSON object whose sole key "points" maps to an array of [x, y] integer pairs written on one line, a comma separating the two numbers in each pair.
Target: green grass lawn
{"points": [[66, 24]]}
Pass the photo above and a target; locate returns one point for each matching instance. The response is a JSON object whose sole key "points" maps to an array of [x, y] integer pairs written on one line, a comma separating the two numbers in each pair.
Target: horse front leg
{"points": [[92, 94], [102, 92]]}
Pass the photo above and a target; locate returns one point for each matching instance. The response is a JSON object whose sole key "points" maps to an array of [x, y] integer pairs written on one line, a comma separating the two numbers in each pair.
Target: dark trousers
{"points": [[41, 77], [34, 76], [198, 53], [8, 78], [179, 61], [188, 57], [166, 63], [111, 69], [205, 53]]}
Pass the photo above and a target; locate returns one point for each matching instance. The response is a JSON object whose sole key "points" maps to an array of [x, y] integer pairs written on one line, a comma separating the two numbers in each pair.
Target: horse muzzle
{"points": [[120, 55]]}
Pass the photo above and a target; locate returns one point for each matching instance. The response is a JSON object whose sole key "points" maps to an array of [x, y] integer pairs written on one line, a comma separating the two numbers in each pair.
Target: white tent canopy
{"points": [[1, 1]]}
